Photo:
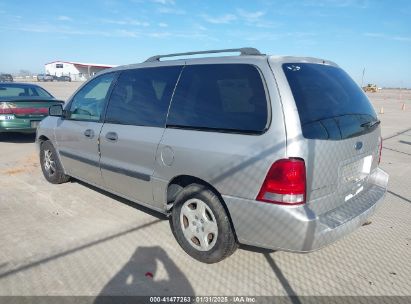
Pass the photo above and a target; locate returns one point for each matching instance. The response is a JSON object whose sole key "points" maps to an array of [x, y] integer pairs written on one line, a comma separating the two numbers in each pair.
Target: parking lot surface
{"points": [[73, 239]]}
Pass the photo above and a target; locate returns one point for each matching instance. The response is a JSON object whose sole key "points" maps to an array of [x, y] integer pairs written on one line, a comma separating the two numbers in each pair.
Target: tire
{"points": [[198, 210], [50, 164]]}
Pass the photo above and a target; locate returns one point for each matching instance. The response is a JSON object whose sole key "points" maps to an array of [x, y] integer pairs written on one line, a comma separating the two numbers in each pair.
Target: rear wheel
{"points": [[201, 225], [50, 164]]}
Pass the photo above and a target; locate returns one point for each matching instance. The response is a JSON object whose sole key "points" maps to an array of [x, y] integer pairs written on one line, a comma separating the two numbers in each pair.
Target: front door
{"points": [[78, 133]]}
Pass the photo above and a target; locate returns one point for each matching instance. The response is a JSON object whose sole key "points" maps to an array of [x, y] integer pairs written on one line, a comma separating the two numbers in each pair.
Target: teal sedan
{"points": [[23, 106]]}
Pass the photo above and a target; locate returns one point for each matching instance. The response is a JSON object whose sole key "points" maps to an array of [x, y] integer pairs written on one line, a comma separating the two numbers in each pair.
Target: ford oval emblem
{"points": [[358, 145]]}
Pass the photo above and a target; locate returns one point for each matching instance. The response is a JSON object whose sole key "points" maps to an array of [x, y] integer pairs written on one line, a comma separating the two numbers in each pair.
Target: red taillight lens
{"points": [[284, 183], [23, 111], [380, 148], [4, 108]]}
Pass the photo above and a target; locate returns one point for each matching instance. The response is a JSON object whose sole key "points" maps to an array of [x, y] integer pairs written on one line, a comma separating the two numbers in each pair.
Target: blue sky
{"points": [[357, 34]]}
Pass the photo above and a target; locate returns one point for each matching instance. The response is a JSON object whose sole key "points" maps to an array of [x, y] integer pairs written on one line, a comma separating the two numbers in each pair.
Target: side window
{"points": [[227, 97], [88, 103], [142, 96]]}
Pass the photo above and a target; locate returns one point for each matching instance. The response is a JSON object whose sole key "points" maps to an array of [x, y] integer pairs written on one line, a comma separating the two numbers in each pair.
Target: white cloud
{"points": [[64, 18], [389, 37], [164, 2], [127, 21], [250, 16], [52, 28], [199, 27], [48, 28], [255, 18], [126, 33], [162, 24], [378, 35], [401, 38], [158, 34], [337, 3], [224, 19], [169, 10], [252, 36]]}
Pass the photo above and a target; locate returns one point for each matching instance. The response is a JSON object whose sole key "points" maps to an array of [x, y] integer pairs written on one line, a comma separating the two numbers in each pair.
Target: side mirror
{"points": [[56, 110]]}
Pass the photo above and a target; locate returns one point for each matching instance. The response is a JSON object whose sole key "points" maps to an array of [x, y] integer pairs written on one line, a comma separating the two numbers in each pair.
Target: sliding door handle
{"points": [[112, 136]]}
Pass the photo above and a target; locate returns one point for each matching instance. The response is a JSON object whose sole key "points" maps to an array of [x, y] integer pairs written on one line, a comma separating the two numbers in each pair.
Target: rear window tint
{"points": [[222, 97], [330, 104], [141, 97], [22, 91]]}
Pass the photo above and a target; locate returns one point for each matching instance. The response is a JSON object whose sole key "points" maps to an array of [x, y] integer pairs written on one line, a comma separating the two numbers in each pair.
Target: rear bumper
{"points": [[19, 125], [298, 228]]}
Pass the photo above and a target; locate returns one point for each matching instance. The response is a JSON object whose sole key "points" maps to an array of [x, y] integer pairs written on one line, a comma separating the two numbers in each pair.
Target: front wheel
{"points": [[50, 164], [201, 225]]}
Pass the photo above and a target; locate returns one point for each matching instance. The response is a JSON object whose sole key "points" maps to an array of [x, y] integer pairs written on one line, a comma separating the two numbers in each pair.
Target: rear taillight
{"points": [[4, 108], [284, 183], [22, 111], [379, 152]]}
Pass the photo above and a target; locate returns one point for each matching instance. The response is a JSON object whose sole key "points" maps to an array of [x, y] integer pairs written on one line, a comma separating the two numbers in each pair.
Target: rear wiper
{"points": [[371, 124]]}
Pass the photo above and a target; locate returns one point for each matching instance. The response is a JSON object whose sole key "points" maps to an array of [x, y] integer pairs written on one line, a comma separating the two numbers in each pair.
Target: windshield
{"points": [[13, 91], [329, 102]]}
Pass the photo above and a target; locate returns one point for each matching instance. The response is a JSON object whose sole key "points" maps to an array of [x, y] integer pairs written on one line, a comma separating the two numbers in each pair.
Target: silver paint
{"points": [[235, 165]]}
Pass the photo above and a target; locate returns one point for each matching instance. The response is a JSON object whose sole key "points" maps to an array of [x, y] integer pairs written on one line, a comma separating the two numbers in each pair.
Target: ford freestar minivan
{"points": [[275, 152]]}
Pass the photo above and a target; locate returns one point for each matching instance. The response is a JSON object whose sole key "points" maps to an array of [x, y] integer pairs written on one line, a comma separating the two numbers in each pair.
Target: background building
{"points": [[76, 70]]}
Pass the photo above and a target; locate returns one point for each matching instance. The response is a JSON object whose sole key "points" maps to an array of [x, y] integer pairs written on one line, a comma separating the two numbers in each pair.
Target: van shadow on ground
{"points": [[150, 271]]}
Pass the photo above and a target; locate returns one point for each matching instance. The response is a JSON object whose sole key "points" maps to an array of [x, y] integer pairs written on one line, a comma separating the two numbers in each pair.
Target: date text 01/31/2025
{"points": [[203, 299]]}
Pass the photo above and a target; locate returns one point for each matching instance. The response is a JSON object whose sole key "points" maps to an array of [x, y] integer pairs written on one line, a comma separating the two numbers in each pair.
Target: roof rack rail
{"points": [[243, 51]]}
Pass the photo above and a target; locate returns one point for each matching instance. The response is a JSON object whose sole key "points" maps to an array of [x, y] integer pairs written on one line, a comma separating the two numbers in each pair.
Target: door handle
{"points": [[112, 136], [89, 133]]}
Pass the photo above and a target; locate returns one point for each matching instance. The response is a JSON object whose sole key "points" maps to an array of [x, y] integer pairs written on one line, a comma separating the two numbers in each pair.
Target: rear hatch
{"points": [[341, 133]]}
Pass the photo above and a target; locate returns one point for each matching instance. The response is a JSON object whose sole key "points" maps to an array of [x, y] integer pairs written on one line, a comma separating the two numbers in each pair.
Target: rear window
{"points": [[330, 104], [220, 97], [22, 91]]}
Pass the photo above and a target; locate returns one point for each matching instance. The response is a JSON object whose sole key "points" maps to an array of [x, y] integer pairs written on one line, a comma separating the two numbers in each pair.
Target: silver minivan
{"points": [[274, 152]]}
